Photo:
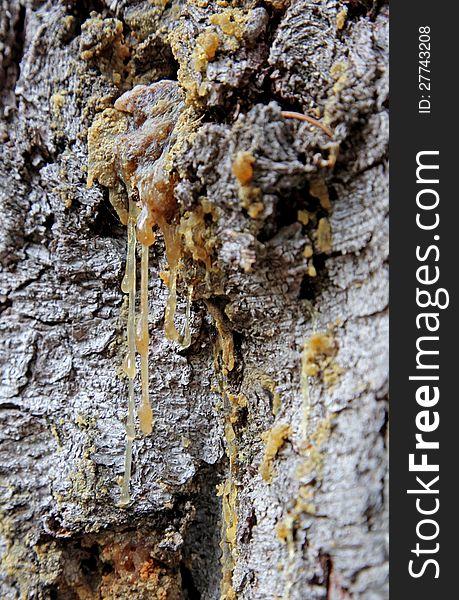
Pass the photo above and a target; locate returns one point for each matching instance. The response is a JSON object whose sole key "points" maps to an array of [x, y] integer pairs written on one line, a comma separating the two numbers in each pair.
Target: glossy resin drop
{"points": [[129, 287], [129, 151]]}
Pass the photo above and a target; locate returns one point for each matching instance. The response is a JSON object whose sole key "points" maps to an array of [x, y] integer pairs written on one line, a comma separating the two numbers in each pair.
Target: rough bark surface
{"points": [[308, 458]]}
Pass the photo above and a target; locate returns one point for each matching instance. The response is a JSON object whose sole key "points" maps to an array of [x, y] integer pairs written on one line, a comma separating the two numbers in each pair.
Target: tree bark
{"points": [[294, 433]]}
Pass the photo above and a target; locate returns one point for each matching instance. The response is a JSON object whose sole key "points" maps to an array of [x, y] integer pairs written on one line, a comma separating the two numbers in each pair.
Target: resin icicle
{"points": [[185, 340], [145, 411], [128, 286]]}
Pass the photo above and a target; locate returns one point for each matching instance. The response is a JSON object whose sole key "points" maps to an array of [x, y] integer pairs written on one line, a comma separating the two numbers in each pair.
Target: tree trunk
{"points": [[265, 474]]}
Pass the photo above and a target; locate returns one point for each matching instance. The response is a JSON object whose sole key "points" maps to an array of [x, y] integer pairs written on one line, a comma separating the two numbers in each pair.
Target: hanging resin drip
{"points": [[142, 340], [173, 254], [185, 340], [174, 249], [128, 286], [130, 148]]}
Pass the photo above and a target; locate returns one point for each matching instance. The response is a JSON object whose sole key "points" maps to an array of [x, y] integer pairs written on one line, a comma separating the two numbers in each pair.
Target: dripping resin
{"points": [[128, 150]]}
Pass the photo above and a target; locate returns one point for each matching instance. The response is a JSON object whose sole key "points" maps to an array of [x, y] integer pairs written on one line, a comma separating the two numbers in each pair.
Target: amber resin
{"points": [[141, 156], [142, 339], [128, 286], [129, 152]]}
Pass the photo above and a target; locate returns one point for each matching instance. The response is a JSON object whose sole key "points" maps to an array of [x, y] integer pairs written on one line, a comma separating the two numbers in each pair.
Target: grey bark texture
{"points": [[315, 526]]}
